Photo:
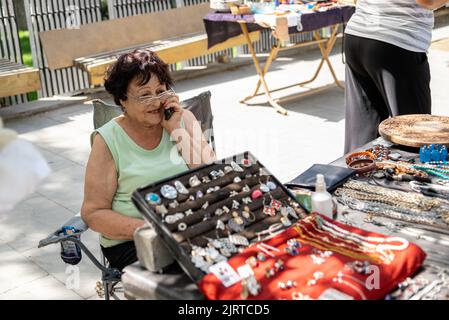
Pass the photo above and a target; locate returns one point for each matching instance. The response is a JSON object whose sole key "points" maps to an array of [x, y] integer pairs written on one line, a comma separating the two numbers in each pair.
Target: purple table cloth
{"points": [[223, 26]]}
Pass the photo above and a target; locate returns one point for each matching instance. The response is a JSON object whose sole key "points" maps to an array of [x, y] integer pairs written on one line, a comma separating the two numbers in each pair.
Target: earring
{"points": [[268, 209]]}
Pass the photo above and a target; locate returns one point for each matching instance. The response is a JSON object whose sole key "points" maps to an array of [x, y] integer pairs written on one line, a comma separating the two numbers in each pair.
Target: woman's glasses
{"points": [[150, 99]]}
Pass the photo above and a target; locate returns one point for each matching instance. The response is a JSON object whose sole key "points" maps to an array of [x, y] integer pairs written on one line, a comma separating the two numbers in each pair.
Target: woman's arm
{"points": [[190, 141], [99, 189], [431, 4], [200, 150]]}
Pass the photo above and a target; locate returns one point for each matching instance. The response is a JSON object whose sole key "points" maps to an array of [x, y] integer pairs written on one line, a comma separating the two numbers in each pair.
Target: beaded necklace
{"points": [[434, 171]]}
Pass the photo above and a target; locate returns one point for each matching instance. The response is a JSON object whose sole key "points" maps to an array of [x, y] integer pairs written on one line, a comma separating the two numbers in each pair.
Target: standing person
{"points": [[387, 72]]}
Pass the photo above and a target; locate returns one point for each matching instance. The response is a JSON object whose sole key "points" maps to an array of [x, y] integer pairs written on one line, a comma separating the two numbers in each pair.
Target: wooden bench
{"points": [[176, 35], [16, 78]]}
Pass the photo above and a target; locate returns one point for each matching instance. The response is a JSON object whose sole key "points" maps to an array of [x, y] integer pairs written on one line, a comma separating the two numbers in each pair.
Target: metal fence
{"points": [[9, 43], [126, 8], [45, 15]]}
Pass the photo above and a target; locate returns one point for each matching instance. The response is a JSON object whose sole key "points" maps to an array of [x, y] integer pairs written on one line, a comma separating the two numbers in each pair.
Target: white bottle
{"points": [[321, 199]]}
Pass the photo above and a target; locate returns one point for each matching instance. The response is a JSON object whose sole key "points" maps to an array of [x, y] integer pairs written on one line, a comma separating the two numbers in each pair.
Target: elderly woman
{"points": [[136, 149]]}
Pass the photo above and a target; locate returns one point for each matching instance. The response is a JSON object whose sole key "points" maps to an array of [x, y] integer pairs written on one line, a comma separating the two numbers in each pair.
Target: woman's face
{"points": [[139, 108]]}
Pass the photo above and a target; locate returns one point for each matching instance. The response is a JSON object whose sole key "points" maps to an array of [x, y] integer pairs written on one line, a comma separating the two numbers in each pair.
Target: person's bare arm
{"points": [[99, 189], [431, 4], [200, 150]]}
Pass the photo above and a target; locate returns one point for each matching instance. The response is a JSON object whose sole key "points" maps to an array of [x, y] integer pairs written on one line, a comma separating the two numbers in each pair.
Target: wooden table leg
{"points": [[273, 54], [325, 52], [260, 72]]}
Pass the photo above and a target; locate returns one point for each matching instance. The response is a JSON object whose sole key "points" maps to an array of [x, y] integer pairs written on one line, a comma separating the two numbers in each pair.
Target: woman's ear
{"points": [[123, 104]]}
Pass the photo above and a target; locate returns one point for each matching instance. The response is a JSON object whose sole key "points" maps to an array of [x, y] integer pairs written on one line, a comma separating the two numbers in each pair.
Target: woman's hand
{"points": [[175, 120]]}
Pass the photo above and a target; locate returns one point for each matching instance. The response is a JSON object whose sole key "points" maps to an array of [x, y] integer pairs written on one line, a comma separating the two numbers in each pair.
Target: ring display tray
{"points": [[238, 191]]}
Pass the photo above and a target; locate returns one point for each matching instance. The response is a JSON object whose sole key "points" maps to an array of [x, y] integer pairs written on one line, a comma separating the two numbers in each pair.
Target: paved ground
{"points": [[312, 133]]}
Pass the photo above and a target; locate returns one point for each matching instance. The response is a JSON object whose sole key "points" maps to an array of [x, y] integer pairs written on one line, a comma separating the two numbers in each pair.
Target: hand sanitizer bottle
{"points": [[321, 199]]}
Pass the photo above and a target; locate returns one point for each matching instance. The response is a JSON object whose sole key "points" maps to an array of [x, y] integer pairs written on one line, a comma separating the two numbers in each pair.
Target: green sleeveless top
{"points": [[137, 167]]}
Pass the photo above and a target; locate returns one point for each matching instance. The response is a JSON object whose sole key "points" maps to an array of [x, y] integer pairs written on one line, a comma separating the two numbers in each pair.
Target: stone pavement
{"points": [[312, 133]]}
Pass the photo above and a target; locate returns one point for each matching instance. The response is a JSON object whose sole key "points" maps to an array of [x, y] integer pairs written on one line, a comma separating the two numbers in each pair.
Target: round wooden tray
{"points": [[416, 130]]}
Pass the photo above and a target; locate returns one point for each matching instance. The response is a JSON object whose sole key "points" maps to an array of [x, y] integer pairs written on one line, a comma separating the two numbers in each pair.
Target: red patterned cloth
{"points": [[315, 271]]}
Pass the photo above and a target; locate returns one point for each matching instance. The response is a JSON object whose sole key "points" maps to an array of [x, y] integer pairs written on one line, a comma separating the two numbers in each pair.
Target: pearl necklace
{"points": [[336, 230]]}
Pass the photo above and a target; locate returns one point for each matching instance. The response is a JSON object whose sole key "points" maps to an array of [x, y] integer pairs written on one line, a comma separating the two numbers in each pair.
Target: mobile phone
{"points": [[168, 113]]}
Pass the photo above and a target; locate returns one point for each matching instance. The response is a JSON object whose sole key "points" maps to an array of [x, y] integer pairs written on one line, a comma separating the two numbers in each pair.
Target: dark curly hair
{"points": [[140, 64]]}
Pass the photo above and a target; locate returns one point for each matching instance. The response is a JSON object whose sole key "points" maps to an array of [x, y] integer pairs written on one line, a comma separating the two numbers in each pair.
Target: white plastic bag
{"points": [[22, 168]]}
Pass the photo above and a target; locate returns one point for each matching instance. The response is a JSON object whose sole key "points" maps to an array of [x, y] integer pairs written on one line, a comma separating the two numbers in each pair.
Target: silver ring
{"points": [[170, 219], [169, 192], [182, 226], [194, 181]]}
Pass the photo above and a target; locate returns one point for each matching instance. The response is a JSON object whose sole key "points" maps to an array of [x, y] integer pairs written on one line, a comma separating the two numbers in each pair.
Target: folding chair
{"points": [[110, 277]]}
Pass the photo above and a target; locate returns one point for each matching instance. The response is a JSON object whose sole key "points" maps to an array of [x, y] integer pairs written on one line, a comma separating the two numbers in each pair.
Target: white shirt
{"points": [[402, 23]]}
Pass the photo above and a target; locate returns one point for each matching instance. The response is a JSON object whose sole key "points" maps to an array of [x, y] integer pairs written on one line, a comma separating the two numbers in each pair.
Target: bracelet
{"points": [[362, 155], [362, 165]]}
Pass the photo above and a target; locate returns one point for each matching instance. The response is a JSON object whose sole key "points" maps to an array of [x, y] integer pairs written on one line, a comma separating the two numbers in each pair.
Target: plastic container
{"points": [[321, 199]]}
